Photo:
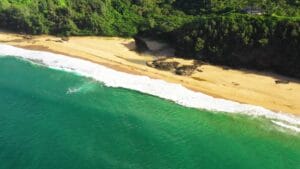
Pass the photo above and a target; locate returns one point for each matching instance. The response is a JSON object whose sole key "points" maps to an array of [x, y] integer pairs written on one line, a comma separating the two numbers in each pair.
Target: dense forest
{"points": [[242, 33]]}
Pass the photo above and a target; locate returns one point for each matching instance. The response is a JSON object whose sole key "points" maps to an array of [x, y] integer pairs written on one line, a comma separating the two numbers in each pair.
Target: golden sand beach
{"points": [[251, 87]]}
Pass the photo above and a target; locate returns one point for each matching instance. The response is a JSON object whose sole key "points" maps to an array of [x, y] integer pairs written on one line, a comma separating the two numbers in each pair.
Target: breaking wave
{"points": [[160, 88]]}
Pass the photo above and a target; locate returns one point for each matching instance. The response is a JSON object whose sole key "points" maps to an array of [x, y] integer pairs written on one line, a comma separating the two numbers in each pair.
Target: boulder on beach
{"points": [[163, 65], [186, 70]]}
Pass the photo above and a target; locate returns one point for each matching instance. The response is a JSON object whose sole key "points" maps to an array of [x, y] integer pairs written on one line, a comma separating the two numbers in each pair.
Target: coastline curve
{"points": [[144, 84]]}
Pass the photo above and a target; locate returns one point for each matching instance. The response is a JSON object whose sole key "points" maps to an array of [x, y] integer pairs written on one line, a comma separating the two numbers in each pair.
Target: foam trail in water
{"points": [[73, 90], [88, 86], [160, 88]]}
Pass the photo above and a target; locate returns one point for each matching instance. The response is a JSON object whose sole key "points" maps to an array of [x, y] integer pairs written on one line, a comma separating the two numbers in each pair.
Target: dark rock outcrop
{"points": [[141, 45], [186, 70], [163, 65], [175, 67]]}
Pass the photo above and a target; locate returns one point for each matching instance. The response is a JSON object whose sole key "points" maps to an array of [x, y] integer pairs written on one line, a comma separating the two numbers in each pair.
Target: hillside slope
{"points": [[242, 33]]}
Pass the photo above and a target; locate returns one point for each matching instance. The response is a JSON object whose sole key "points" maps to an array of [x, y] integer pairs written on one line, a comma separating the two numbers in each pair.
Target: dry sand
{"points": [[256, 88]]}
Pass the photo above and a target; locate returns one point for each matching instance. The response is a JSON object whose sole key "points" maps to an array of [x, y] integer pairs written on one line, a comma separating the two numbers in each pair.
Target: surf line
{"points": [[144, 84]]}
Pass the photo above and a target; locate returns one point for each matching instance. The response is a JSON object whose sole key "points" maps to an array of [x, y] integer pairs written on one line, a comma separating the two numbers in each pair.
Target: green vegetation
{"points": [[244, 33], [243, 41]]}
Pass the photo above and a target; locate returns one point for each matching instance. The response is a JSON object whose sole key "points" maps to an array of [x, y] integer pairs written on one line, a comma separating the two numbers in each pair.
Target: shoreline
{"points": [[118, 54], [144, 84]]}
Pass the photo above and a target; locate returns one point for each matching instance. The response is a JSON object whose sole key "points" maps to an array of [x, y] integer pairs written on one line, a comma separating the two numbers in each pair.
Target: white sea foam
{"points": [[160, 88], [73, 90], [88, 86], [287, 126]]}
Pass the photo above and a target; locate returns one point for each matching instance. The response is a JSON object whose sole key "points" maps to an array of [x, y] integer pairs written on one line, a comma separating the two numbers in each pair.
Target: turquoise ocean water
{"points": [[50, 119]]}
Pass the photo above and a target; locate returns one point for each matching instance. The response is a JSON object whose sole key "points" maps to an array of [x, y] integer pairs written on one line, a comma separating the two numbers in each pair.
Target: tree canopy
{"points": [[219, 31]]}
